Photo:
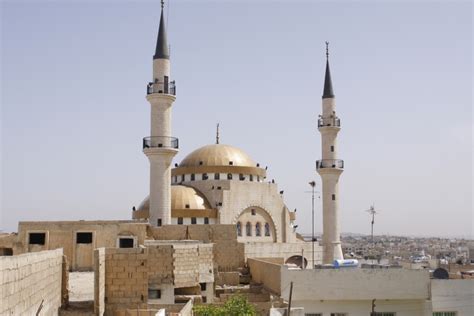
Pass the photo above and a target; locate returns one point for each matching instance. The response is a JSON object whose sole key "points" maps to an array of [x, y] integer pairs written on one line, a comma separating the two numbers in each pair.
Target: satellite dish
{"points": [[441, 274]]}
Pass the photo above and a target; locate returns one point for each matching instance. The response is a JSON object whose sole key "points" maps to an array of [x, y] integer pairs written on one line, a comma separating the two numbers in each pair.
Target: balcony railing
{"points": [[160, 142], [330, 121], [161, 87], [330, 163]]}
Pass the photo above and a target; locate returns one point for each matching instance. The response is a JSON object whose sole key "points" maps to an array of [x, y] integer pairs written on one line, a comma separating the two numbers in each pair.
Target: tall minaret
{"points": [[160, 147], [330, 168]]}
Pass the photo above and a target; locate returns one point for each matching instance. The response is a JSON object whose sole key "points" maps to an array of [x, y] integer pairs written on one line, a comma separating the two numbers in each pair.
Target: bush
{"points": [[235, 306]]}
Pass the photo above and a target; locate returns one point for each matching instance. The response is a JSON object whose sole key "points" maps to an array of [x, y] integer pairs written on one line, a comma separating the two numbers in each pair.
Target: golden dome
{"points": [[217, 155], [182, 197]]}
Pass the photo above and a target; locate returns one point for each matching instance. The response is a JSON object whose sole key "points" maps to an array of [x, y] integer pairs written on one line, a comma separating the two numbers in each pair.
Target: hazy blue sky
{"points": [[73, 107]]}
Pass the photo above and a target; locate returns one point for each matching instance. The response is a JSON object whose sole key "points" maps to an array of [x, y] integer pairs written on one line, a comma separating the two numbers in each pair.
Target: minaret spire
{"points": [[162, 49], [217, 134], [328, 91]]}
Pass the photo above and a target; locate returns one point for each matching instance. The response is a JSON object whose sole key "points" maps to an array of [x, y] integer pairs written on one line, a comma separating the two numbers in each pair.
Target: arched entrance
{"points": [[297, 260]]}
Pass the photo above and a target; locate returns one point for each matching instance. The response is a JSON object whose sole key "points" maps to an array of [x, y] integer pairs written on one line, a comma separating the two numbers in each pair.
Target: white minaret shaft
{"points": [[160, 147], [330, 169]]}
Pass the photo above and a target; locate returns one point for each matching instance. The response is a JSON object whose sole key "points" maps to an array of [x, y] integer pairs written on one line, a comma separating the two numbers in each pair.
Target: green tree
{"points": [[235, 306]]}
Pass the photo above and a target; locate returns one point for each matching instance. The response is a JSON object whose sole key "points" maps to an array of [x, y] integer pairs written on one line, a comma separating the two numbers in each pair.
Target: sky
{"points": [[73, 108]]}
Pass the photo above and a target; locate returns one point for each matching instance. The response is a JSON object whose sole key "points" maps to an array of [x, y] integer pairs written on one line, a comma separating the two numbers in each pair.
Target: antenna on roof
{"points": [[217, 134], [372, 211]]}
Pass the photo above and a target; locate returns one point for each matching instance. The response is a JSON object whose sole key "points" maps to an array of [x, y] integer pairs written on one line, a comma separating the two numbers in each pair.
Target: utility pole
{"points": [[312, 184], [289, 300], [372, 212]]}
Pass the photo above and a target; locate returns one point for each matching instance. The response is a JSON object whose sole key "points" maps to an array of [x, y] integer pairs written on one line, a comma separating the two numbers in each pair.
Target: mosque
{"points": [[216, 184], [211, 221], [221, 184]]}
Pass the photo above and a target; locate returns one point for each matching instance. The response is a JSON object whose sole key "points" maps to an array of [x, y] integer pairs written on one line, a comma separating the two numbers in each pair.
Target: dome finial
{"points": [[162, 4], [217, 134], [327, 50]]}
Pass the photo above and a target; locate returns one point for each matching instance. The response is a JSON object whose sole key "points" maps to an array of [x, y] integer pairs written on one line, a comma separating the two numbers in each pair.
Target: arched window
{"points": [[267, 229], [229, 176], [239, 229], [248, 229], [258, 231]]}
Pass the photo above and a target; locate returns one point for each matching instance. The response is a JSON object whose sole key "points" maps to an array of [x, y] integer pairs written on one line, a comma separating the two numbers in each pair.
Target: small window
{"points": [[84, 238], [258, 178], [239, 229], [205, 176], [258, 231], [332, 148], [203, 286], [333, 197], [393, 314], [6, 251], [180, 221], [231, 163], [441, 314], [159, 222], [267, 229], [229, 176], [206, 220], [200, 163], [241, 177], [154, 294], [193, 220], [175, 179], [338, 314], [186, 206], [251, 177], [37, 238], [204, 299], [217, 176], [182, 178], [313, 314], [126, 242], [254, 212], [193, 177], [248, 229]]}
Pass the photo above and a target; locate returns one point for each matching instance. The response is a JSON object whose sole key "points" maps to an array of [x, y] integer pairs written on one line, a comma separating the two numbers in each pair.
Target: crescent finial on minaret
{"points": [[327, 49], [217, 134], [162, 4]]}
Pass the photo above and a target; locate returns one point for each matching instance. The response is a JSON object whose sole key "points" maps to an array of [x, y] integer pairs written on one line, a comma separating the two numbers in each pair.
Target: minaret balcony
{"points": [[330, 164], [160, 142], [161, 88], [329, 122]]}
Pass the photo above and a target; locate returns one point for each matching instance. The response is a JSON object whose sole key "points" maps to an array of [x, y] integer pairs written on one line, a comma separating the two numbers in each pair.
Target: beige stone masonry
{"points": [[29, 279]]}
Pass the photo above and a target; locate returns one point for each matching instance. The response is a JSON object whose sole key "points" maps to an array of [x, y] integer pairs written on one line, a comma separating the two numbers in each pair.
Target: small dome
{"points": [[217, 155], [182, 197]]}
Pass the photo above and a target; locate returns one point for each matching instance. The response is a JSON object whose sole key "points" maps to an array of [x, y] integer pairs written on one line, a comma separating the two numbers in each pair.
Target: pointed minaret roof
{"points": [[162, 50], [328, 92]]}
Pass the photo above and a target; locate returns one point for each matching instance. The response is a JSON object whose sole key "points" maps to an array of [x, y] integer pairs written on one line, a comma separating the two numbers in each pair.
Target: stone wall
{"points": [[266, 273], [227, 252], [124, 275], [99, 281], [62, 234], [30, 280]]}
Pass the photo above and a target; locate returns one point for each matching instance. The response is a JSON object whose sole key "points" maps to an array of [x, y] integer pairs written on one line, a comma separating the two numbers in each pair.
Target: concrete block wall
{"points": [[186, 265], [227, 252], [29, 279], [160, 264], [126, 278], [206, 263]]}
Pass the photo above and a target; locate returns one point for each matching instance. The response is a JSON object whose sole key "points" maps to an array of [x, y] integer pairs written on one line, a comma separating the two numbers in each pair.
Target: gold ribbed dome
{"points": [[217, 155], [182, 197]]}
